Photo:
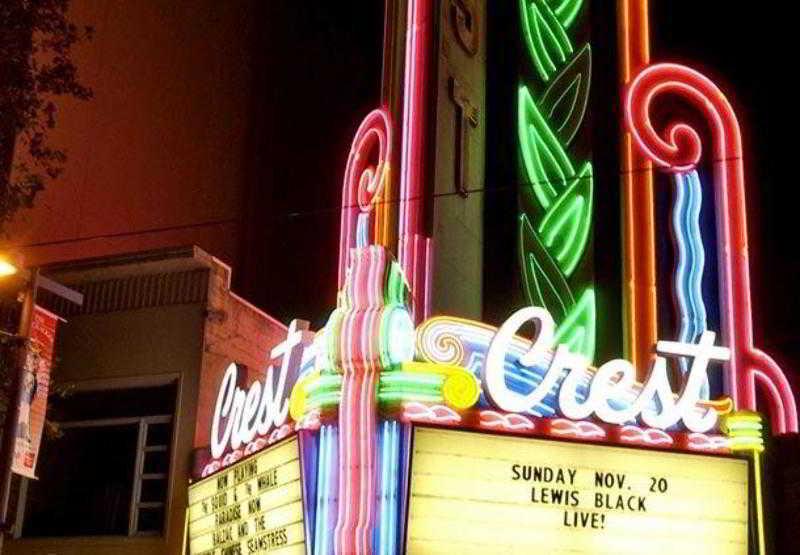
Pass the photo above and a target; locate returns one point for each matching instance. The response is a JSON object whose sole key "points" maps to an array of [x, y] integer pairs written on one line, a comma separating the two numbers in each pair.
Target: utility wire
{"points": [[328, 210], [147, 231], [516, 186]]}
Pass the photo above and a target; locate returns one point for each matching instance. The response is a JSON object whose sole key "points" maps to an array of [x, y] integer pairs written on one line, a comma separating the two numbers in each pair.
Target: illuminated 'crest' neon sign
{"points": [[609, 389], [381, 361]]}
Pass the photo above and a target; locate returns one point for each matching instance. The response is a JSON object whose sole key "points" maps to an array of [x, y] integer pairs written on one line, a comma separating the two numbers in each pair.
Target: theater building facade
{"points": [[461, 399], [542, 340], [131, 365]]}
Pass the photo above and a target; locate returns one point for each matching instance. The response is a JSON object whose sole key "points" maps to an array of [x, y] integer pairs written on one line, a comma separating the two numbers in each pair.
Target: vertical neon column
{"points": [[688, 279], [690, 263], [371, 331], [680, 150], [557, 199], [640, 310], [365, 330], [353, 334], [326, 490], [355, 330], [415, 249], [389, 480]]}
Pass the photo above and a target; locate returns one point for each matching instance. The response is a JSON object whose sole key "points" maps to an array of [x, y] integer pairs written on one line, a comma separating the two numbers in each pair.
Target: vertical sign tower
{"points": [[556, 183]]}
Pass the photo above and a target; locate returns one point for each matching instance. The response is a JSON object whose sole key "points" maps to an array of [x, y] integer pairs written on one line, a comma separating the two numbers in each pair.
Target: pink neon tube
{"points": [[359, 362], [413, 247], [414, 115]]}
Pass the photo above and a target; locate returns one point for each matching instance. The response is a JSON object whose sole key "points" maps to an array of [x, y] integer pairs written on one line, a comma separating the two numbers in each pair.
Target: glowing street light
{"points": [[7, 268], [32, 281]]}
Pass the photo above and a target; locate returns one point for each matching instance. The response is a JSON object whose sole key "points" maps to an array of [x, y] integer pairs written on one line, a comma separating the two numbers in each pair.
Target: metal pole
{"points": [[15, 396]]}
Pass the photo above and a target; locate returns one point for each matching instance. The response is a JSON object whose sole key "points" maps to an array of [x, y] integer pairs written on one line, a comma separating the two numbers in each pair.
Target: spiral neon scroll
{"points": [[678, 148], [364, 181]]}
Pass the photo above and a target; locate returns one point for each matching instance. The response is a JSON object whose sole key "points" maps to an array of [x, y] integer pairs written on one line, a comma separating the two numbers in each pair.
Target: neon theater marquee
{"points": [[394, 431]]}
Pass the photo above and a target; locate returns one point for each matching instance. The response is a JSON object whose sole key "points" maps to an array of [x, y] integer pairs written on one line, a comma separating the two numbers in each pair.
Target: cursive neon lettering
{"points": [[240, 415], [494, 369], [656, 405]]}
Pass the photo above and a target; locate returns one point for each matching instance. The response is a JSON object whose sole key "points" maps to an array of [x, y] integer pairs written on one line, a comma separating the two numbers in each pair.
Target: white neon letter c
{"points": [[494, 368]]}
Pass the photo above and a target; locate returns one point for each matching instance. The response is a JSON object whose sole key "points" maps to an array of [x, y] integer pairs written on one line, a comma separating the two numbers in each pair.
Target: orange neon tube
{"points": [[640, 325]]}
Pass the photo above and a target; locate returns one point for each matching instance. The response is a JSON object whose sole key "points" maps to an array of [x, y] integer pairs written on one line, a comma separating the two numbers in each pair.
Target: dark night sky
{"points": [[749, 52], [319, 68], [311, 98]]}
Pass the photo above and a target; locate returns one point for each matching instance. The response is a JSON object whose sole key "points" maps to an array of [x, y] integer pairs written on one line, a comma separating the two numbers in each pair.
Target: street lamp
{"points": [[32, 281], [27, 296], [7, 268]]}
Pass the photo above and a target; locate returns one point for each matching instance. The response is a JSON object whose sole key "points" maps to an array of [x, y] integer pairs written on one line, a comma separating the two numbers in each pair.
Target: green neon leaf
{"points": [[547, 41], [547, 165], [578, 329], [565, 227], [566, 10], [567, 97], [396, 290], [545, 285]]}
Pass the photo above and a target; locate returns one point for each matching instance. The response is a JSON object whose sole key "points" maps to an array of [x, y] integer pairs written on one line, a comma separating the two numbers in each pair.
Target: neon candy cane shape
{"points": [[364, 182], [679, 150]]}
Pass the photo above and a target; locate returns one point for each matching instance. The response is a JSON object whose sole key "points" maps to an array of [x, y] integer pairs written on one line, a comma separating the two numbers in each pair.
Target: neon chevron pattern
{"points": [[544, 29], [555, 218]]}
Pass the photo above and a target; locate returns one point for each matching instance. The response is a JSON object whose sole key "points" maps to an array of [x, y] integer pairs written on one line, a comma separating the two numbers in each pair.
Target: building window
{"points": [[108, 471]]}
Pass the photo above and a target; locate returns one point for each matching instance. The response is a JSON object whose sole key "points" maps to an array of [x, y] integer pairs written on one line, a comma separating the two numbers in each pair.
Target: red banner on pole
{"points": [[35, 386]]}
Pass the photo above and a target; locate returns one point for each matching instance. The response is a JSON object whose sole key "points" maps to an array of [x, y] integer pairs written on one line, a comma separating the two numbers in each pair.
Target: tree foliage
{"points": [[36, 68]]}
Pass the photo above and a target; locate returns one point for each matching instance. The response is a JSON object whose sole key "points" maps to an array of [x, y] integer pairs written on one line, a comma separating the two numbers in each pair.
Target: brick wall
{"points": [[235, 331]]}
